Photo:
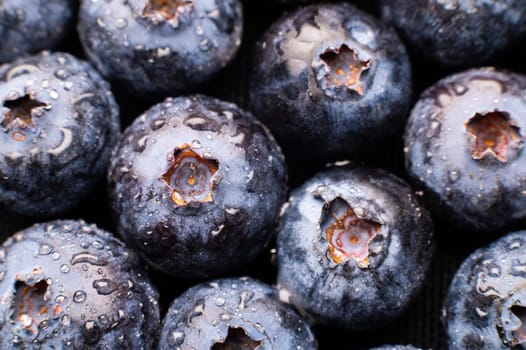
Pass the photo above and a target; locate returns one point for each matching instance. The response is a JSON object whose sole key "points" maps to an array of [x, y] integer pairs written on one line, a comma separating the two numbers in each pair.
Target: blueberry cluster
{"points": [[283, 174]]}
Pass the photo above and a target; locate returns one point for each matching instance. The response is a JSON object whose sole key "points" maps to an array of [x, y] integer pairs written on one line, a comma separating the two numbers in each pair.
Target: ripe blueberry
{"points": [[58, 123], [197, 185], [160, 47], [464, 145], [485, 307], [332, 80], [69, 285], [353, 247], [233, 313], [27, 27], [457, 32]]}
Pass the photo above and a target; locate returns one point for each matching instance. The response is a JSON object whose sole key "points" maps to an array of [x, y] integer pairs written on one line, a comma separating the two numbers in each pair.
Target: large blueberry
{"points": [[58, 123], [330, 79], [29, 26], [69, 285], [197, 185], [353, 248], [485, 307], [457, 32], [464, 145], [234, 313], [160, 47]]}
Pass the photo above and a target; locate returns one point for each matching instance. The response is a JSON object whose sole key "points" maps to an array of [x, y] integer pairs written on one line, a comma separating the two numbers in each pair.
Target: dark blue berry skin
{"points": [[384, 257], [485, 307], [27, 27], [457, 32], [69, 285], [58, 124], [223, 313], [303, 88], [156, 52], [196, 186], [474, 178]]}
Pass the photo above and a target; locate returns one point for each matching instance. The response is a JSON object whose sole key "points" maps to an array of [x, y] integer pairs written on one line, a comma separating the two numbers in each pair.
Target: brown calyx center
{"points": [[237, 339], [349, 237], [344, 68], [520, 333], [167, 9], [30, 304], [493, 135], [191, 176], [20, 111]]}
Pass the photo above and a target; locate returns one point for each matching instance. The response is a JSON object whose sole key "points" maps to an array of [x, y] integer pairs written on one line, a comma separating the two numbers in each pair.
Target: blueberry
{"points": [[464, 146], [197, 185], [485, 307], [160, 47], [353, 248], [233, 313], [332, 80], [68, 285], [58, 123], [27, 27], [457, 32]]}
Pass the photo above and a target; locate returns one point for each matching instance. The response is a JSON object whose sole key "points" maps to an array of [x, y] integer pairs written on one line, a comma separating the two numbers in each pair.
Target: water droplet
{"points": [[204, 45], [86, 257], [105, 286], [64, 268], [121, 23], [68, 85], [220, 301], [225, 317], [79, 296], [104, 319], [245, 297], [66, 320], [53, 94], [259, 327], [177, 338], [454, 175], [56, 256], [100, 22], [45, 249], [43, 324], [157, 124], [97, 245]]}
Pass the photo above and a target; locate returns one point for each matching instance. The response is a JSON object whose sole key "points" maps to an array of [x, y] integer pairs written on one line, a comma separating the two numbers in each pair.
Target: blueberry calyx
{"points": [[21, 111], [511, 324], [493, 135], [340, 68], [348, 234], [30, 304], [171, 11], [237, 339], [520, 332], [191, 177]]}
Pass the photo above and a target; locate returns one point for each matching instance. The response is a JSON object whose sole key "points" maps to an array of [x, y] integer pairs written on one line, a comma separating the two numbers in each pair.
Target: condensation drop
{"points": [[79, 296]]}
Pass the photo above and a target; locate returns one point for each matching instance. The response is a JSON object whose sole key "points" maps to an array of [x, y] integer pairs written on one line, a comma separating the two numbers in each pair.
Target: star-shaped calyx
{"points": [[342, 68], [171, 11], [190, 176], [493, 135], [237, 339]]}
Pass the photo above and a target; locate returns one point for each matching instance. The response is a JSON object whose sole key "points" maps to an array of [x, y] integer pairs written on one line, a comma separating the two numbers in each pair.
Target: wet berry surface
{"points": [[493, 136]]}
